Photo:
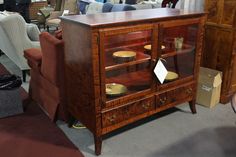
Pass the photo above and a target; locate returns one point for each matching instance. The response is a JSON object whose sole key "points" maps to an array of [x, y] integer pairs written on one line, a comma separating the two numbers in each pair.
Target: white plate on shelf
{"points": [[171, 76], [115, 89], [149, 47], [124, 56]]}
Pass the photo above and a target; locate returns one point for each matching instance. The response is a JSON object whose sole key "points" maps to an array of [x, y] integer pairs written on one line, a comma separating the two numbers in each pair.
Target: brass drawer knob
{"points": [[146, 105], [112, 118], [163, 100], [189, 91]]}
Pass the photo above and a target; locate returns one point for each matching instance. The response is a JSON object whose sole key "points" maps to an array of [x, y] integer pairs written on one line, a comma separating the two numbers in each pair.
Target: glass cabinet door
{"points": [[177, 49], [126, 66]]}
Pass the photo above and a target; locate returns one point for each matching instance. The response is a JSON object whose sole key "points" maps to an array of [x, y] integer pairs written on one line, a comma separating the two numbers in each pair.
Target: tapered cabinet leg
{"points": [[24, 75], [71, 121], [98, 144], [1, 53], [192, 105], [27, 102]]}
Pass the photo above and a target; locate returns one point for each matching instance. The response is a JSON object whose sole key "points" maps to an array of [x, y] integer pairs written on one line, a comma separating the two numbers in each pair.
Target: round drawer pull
{"points": [[163, 100], [146, 105], [189, 91], [112, 118]]}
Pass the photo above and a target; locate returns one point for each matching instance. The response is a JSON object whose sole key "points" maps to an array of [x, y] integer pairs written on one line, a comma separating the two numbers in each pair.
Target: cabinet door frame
{"points": [[116, 31], [198, 45]]}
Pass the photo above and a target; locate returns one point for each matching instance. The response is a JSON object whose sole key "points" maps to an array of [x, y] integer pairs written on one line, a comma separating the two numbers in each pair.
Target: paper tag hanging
{"points": [[65, 12], [160, 71]]}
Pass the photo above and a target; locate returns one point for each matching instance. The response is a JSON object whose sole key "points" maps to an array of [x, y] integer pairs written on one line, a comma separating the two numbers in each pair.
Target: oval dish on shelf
{"points": [[115, 89], [171, 76], [149, 47], [124, 56]]}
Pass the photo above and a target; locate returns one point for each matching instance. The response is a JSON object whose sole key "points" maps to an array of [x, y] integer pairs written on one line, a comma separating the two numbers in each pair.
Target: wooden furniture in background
{"points": [[34, 8], [91, 40], [220, 43]]}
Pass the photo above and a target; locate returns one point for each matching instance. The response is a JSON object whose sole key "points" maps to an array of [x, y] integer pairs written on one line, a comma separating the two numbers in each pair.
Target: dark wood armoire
{"points": [[220, 43]]}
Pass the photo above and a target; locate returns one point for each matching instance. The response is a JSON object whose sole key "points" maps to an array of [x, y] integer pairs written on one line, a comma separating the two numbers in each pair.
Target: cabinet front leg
{"points": [[71, 120], [192, 105], [98, 144]]}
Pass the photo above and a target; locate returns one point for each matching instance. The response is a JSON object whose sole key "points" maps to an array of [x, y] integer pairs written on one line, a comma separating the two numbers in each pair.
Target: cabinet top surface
{"points": [[104, 19]]}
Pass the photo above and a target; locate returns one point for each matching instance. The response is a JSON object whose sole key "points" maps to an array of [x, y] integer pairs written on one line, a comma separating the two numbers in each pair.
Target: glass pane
{"points": [[127, 63], [178, 51]]}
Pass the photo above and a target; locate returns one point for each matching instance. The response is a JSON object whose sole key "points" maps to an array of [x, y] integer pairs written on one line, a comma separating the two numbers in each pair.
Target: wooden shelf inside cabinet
{"points": [[131, 45], [171, 52], [180, 78], [111, 64], [134, 81]]}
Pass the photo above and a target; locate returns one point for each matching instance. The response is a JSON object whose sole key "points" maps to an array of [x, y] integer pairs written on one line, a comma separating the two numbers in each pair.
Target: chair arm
{"points": [[34, 57], [58, 34], [32, 31]]}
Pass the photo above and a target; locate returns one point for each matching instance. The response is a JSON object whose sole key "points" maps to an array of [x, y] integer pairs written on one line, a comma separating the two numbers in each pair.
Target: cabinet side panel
{"points": [[80, 88], [199, 52]]}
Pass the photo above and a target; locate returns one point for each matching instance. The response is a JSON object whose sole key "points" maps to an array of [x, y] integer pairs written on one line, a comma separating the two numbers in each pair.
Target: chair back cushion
{"points": [[122, 7], [52, 58], [107, 7]]}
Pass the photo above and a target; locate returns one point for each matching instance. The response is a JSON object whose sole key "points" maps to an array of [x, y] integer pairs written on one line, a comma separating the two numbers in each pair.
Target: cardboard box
{"points": [[209, 87]]}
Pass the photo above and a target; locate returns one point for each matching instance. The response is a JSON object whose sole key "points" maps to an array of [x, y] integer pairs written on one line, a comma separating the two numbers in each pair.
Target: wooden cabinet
{"points": [[93, 66], [219, 50]]}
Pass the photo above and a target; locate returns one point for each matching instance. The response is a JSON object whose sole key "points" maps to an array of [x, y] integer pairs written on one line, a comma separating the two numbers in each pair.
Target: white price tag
{"points": [[160, 71], [65, 12]]}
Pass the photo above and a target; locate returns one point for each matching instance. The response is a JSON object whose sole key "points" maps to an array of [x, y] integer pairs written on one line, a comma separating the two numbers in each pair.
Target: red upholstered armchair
{"points": [[47, 72]]}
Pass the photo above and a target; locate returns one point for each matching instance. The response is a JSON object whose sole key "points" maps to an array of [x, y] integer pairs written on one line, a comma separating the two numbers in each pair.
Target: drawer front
{"points": [[126, 112], [176, 95], [184, 93]]}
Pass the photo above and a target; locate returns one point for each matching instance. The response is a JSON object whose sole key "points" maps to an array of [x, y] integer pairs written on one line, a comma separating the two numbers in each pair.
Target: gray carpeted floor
{"points": [[209, 133], [175, 133]]}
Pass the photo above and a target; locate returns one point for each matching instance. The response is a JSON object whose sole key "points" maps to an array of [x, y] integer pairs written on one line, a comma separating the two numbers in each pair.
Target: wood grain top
{"points": [[105, 19]]}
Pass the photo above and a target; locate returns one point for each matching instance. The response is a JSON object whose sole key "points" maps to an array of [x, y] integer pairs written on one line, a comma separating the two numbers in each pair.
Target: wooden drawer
{"points": [[127, 112], [175, 96]]}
